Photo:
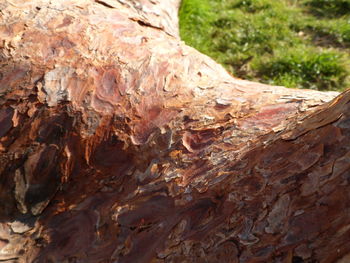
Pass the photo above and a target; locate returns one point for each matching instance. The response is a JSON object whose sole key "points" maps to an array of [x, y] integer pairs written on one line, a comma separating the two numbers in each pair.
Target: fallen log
{"points": [[119, 143]]}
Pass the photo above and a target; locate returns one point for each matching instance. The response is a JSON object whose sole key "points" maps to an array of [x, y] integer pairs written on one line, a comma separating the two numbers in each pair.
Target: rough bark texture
{"points": [[118, 143]]}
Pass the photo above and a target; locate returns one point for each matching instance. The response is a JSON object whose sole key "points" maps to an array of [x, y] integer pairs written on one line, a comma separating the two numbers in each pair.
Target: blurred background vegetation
{"points": [[294, 43]]}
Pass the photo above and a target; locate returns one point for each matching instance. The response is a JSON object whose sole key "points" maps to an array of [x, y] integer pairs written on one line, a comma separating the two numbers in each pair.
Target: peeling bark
{"points": [[119, 143]]}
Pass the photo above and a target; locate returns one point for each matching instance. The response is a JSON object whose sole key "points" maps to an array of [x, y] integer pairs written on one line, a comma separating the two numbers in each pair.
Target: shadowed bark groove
{"points": [[119, 143]]}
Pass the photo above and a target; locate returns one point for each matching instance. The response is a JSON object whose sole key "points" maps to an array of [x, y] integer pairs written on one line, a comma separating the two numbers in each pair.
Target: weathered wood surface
{"points": [[118, 143]]}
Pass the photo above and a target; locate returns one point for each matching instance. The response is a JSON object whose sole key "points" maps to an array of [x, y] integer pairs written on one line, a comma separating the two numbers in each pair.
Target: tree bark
{"points": [[119, 143]]}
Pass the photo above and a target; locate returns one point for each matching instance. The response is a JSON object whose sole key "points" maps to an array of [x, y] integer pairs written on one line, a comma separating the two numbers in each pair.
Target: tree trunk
{"points": [[119, 143]]}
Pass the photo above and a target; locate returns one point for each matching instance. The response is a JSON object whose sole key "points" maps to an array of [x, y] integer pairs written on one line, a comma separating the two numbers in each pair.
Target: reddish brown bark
{"points": [[118, 143]]}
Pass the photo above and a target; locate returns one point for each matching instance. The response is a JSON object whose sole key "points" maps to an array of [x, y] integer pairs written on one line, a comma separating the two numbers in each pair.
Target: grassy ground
{"points": [[295, 43]]}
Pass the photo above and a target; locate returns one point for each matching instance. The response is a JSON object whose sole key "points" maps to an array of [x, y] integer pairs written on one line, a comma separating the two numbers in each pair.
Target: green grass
{"points": [[303, 44]]}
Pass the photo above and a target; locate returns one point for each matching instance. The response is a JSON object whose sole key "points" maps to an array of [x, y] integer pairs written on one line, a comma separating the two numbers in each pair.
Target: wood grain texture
{"points": [[119, 143]]}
